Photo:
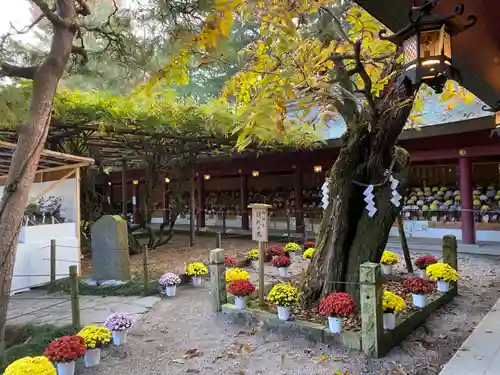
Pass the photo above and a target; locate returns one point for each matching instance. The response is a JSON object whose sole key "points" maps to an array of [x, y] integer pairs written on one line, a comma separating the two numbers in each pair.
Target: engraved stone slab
{"points": [[110, 257]]}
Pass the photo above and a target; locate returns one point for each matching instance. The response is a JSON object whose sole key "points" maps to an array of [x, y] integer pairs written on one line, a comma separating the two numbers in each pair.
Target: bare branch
{"points": [[359, 68], [52, 16], [9, 70]]}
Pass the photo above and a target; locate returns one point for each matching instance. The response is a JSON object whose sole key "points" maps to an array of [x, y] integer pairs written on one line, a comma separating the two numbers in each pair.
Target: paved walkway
{"points": [[38, 307], [480, 353]]}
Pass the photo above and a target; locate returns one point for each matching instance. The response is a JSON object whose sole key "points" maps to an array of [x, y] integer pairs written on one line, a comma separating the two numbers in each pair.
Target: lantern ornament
{"points": [[426, 42]]}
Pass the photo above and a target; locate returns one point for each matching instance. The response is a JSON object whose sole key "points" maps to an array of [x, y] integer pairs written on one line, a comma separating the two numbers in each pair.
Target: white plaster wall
{"points": [[65, 189], [32, 265]]}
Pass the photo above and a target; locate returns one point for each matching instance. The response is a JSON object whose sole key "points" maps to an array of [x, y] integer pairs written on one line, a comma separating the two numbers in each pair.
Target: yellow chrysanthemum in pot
{"points": [[233, 274], [95, 337], [31, 366]]}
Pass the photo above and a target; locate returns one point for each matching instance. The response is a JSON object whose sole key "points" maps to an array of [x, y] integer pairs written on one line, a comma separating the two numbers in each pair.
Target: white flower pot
{"points": [[196, 280], [65, 368], [443, 286], [389, 321], [240, 303], [119, 337], [423, 274], [292, 255], [283, 271], [335, 324], [92, 357], [284, 312], [387, 269], [255, 264], [419, 300], [170, 290]]}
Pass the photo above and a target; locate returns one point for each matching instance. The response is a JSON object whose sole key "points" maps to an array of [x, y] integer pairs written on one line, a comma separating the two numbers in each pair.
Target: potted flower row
{"points": [[240, 289], [87, 343], [196, 271], [291, 248], [419, 289], [65, 350]]}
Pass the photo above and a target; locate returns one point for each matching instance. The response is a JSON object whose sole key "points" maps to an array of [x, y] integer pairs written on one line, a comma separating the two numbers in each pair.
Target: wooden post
{"points": [[217, 279], [75, 299], [404, 243], [218, 240], [53, 261], [260, 235], [262, 256], [450, 254], [371, 290], [145, 269], [288, 224]]}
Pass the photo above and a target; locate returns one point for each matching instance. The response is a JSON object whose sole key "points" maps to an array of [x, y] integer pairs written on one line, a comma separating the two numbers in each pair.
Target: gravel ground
{"points": [[181, 336]]}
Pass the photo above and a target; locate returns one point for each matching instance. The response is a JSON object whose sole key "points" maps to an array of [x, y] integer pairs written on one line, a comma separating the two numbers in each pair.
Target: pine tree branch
{"points": [[9, 70]]}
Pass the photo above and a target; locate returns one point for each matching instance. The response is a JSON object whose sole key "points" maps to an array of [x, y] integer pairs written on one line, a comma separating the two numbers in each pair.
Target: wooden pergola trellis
{"points": [[50, 161]]}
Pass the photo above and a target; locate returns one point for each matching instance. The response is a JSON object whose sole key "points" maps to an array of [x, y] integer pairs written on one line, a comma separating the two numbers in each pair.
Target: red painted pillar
{"points": [[467, 215], [299, 210], [124, 189], [135, 194], [201, 201], [244, 201]]}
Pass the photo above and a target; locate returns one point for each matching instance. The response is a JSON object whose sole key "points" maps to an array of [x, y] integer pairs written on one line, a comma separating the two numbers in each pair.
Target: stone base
{"points": [[311, 331]]}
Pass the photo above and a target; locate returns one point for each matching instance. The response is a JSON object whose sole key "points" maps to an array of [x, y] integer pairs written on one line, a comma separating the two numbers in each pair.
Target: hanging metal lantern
{"points": [[426, 42]]}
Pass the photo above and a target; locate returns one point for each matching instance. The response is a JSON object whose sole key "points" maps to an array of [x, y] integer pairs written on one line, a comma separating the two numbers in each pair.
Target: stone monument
{"points": [[110, 257]]}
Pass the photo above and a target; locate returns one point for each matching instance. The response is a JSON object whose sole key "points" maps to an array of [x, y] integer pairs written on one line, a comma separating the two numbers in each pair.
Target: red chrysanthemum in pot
{"points": [[337, 304], [65, 349], [240, 288], [424, 261], [282, 261]]}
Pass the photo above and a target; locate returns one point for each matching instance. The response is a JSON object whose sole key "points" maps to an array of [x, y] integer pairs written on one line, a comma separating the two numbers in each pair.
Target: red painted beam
{"points": [[452, 154]]}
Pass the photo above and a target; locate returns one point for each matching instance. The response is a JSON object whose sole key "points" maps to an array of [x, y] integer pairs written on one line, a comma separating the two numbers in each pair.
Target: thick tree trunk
{"points": [[348, 236], [31, 141]]}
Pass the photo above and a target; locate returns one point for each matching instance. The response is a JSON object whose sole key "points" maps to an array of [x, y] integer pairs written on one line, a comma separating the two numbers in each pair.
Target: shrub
{"points": [[391, 302], [118, 322], [65, 349], [442, 271], [424, 261], [308, 254], [282, 261], [388, 257], [240, 288], [95, 337], [229, 261], [253, 254], [169, 279], [236, 274], [291, 247], [337, 304], [416, 285], [283, 295], [31, 366], [196, 269]]}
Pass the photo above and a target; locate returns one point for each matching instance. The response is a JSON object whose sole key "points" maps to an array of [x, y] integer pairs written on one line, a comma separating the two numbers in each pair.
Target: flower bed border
{"points": [[313, 332]]}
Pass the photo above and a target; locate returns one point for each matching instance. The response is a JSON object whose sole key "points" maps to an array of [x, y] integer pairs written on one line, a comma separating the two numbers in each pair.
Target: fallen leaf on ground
{"points": [[192, 353], [192, 371], [179, 361]]}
